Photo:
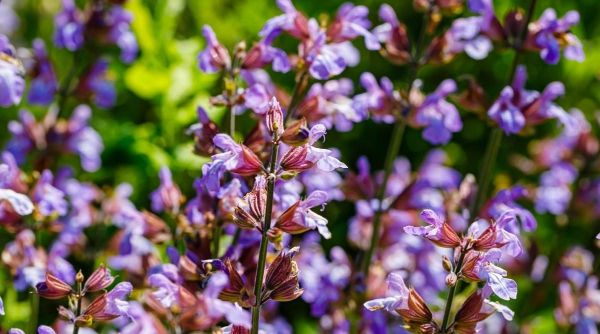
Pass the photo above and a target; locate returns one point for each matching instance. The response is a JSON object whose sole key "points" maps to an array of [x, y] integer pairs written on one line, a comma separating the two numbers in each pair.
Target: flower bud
{"points": [[79, 277], [295, 160], [451, 279], [296, 134], [471, 312], [275, 118], [417, 313], [235, 291], [99, 280], [446, 263], [281, 281], [53, 288]]}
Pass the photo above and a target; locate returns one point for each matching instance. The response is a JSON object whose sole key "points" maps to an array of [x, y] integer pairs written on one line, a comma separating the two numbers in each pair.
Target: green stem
{"points": [[452, 291], [264, 242], [392, 152], [35, 308], [78, 310], [216, 240], [298, 93], [491, 151], [485, 174]]}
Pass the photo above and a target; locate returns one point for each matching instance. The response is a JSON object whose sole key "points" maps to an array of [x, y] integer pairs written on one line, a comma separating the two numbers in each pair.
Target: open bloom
{"points": [[12, 83], [69, 27], [44, 85], [517, 107], [299, 217], [168, 196], [438, 231], [549, 34], [405, 302], [439, 117], [215, 56]]}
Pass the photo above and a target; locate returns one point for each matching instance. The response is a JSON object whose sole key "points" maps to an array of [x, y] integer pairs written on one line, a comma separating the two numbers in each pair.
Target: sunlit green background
{"points": [[158, 95]]}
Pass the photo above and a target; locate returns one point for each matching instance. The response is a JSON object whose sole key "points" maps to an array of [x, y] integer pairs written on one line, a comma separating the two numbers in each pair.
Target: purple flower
{"points": [[299, 217], [97, 85], [350, 22], [263, 53], [291, 21], [214, 57], [439, 117], [49, 200], [438, 231], [495, 276], [69, 27], [506, 200], [1, 307], [324, 59], [44, 85], [83, 139], [119, 21], [236, 158], [142, 321], [466, 35], [554, 194], [517, 107], [9, 20], [378, 100], [330, 104], [323, 280], [167, 196], [12, 83], [549, 33], [116, 305]]}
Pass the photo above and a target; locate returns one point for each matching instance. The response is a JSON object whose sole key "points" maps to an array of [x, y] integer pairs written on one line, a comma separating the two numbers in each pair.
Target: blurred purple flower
{"points": [[44, 85], [69, 27], [549, 33], [439, 117], [554, 193], [168, 196], [12, 83]]}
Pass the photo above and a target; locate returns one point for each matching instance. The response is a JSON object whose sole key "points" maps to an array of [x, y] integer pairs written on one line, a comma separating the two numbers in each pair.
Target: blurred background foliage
{"points": [[158, 95]]}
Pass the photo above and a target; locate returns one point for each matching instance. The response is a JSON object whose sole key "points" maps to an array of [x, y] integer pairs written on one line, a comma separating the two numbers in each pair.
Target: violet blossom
{"points": [[44, 85], [12, 83]]}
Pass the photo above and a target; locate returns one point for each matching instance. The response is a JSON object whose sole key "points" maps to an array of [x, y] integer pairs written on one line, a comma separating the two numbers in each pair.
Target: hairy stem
{"points": [[264, 242], [35, 308]]}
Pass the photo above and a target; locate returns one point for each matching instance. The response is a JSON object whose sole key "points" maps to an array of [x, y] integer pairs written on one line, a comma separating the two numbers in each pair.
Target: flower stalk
{"points": [[264, 242]]}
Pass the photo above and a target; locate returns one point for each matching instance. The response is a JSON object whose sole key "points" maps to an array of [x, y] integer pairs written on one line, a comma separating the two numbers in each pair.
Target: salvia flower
{"points": [[281, 279], [167, 197], [44, 84], [69, 27], [12, 83], [475, 310], [119, 22], [407, 303], [299, 217], [393, 35], [438, 231], [439, 117], [236, 158], [96, 85], [215, 56], [549, 34], [516, 107], [380, 100], [554, 193]]}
